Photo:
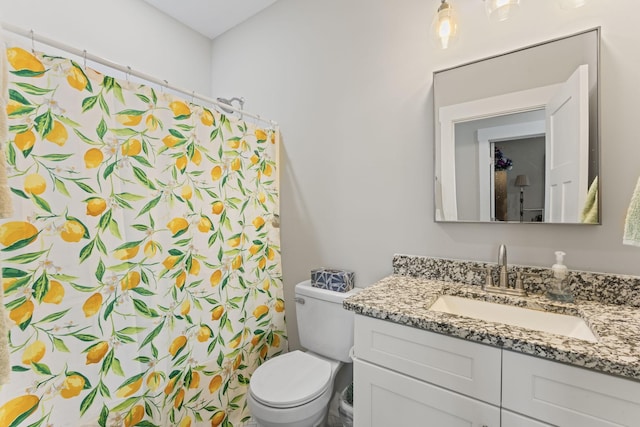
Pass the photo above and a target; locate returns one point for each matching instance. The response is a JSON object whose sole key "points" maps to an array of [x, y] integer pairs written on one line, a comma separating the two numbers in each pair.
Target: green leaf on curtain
{"points": [[151, 335], [33, 90], [60, 345], [114, 229], [152, 204], [61, 187], [40, 287], [88, 103], [128, 245], [17, 96], [21, 243], [22, 259], [82, 136], [11, 155], [143, 98], [107, 83], [117, 91], [143, 161], [86, 251], [44, 123], [214, 134], [103, 104], [142, 178], [19, 369], [105, 218], [130, 112], [126, 132], [8, 272], [100, 244], [104, 416], [130, 197], [116, 367], [41, 202], [101, 130], [28, 73], [109, 309], [85, 337], [87, 401], [100, 271], [41, 368], [54, 316], [15, 303], [22, 111]]}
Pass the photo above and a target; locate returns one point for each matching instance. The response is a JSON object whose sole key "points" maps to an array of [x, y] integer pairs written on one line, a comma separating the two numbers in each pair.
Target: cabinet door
{"points": [[511, 419], [465, 367], [383, 398], [566, 395]]}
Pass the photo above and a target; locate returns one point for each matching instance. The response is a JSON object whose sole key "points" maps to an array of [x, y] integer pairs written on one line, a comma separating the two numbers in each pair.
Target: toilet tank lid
{"points": [[305, 288]]}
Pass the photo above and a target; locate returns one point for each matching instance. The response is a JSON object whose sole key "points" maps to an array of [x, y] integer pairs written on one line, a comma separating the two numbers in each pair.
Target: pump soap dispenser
{"points": [[559, 287]]}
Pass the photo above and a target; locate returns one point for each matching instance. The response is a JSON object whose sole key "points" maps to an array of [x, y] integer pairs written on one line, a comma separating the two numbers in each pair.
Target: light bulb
{"points": [[501, 10], [444, 28], [571, 4]]}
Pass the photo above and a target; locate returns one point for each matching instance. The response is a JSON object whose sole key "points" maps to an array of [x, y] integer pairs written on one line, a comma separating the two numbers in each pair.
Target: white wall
{"points": [[127, 32], [350, 84]]}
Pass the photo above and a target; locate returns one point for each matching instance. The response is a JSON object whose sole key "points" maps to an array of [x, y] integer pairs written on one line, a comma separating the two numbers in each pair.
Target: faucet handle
{"points": [[488, 278]]}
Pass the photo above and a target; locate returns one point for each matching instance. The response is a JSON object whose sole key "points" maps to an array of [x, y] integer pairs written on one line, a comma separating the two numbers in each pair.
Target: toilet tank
{"points": [[325, 328]]}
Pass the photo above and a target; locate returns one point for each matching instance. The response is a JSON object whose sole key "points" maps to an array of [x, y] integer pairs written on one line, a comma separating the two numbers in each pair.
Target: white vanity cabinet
{"points": [[405, 376]]}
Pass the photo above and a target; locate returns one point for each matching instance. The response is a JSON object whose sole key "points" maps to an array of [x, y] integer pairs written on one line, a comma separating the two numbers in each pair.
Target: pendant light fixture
{"points": [[501, 10], [444, 28]]}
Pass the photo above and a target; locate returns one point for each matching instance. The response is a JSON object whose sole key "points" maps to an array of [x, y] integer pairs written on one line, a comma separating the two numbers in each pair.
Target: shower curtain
{"points": [[141, 268]]}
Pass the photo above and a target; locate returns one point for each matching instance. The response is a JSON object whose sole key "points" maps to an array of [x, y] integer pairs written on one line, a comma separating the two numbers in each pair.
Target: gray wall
{"points": [[350, 82]]}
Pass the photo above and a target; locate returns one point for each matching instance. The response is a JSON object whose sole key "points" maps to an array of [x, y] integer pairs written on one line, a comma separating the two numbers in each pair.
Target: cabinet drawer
{"points": [[511, 419], [468, 368], [384, 398], [566, 395]]}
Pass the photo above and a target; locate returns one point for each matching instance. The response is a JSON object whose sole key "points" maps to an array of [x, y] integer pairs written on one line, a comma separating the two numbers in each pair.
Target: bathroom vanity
{"points": [[417, 366]]}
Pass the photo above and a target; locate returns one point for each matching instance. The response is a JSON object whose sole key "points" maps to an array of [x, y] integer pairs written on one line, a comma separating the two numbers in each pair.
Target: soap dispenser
{"points": [[559, 287]]}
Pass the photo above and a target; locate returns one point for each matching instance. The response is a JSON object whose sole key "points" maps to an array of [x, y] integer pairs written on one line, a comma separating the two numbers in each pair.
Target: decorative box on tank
{"points": [[333, 279]]}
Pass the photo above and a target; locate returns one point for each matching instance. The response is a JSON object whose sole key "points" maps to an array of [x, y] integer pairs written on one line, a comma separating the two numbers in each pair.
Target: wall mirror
{"points": [[517, 135]]}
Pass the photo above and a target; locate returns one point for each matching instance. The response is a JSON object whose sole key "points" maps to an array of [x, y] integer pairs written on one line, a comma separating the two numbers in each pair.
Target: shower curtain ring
{"points": [[33, 42], [128, 73], [84, 58]]}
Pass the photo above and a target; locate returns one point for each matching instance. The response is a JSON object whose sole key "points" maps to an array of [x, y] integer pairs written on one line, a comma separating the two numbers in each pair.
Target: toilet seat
{"points": [[290, 380]]}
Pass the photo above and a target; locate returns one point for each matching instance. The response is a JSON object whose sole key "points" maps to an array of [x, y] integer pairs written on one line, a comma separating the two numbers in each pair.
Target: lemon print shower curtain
{"points": [[141, 268]]}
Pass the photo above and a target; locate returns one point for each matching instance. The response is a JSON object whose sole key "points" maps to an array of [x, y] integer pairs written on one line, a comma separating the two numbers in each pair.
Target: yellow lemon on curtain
{"points": [[135, 415], [72, 231], [55, 293], [22, 313], [151, 122], [235, 242], [20, 59], [127, 389], [262, 263], [150, 249], [58, 134], [197, 157], [12, 107], [266, 285], [195, 267], [93, 158], [181, 279], [204, 225], [260, 135], [237, 262], [170, 261], [126, 253], [204, 333], [25, 140], [276, 341], [170, 385], [170, 141], [255, 159], [215, 278], [186, 192], [262, 197], [215, 383], [217, 312], [217, 207], [76, 78], [177, 403], [186, 422], [263, 351], [8, 282], [256, 340], [267, 170], [130, 280], [181, 163], [34, 353], [207, 118], [260, 311], [218, 418], [34, 184], [271, 254], [92, 305], [237, 362], [129, 119], [185, 308], [236, 164], [131, 147], [258, 222], [177, 345], [254, 249], [177, 225], [14, 231], [179, 109], [279, 307], [19, 407], [216, 173], [234, 144], [95, 206], [72, 386], [273, 137], [97, 352], [154, 380]]}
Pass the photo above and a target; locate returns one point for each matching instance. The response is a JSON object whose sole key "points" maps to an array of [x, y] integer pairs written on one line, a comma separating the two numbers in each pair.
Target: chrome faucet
{"points": [[503, 281], [502, 264]]}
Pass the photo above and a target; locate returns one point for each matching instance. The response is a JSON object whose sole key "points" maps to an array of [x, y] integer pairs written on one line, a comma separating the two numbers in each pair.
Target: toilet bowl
{"points": [[294, 389]]}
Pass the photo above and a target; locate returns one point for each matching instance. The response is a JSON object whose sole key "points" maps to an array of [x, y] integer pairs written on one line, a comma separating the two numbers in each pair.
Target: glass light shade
{"points": [[571, 4], [444, 28], [501, 10]]}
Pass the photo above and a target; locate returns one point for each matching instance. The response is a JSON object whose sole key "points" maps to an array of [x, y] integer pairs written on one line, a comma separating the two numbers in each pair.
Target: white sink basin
{"points": [[560, 324]]}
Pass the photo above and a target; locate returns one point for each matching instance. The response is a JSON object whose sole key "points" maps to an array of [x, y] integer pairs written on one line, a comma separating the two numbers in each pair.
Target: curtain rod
{"points": [[126, 69]]}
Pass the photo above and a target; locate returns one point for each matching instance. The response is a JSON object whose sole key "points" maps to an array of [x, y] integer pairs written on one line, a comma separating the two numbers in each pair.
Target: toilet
{"points": [[294, 389]]}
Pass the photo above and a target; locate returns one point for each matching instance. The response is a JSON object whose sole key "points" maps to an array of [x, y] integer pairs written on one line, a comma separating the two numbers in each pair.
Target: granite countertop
{"points": [[406, 300]]}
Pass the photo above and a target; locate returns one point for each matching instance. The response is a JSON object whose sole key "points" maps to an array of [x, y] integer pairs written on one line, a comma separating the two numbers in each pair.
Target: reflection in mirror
{"points": [[517, 135]]}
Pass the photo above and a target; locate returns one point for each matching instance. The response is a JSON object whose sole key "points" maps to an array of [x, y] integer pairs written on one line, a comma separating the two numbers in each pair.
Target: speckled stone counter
{"points": [[404, 299]]}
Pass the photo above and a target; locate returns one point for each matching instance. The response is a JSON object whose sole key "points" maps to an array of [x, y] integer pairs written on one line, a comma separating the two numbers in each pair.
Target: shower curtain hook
{"points": [[84, 58], [128, 73], [33, 42]]}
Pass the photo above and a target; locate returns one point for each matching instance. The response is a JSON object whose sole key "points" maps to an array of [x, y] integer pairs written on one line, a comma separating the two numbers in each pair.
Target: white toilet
{"points": [[294, 389]]}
